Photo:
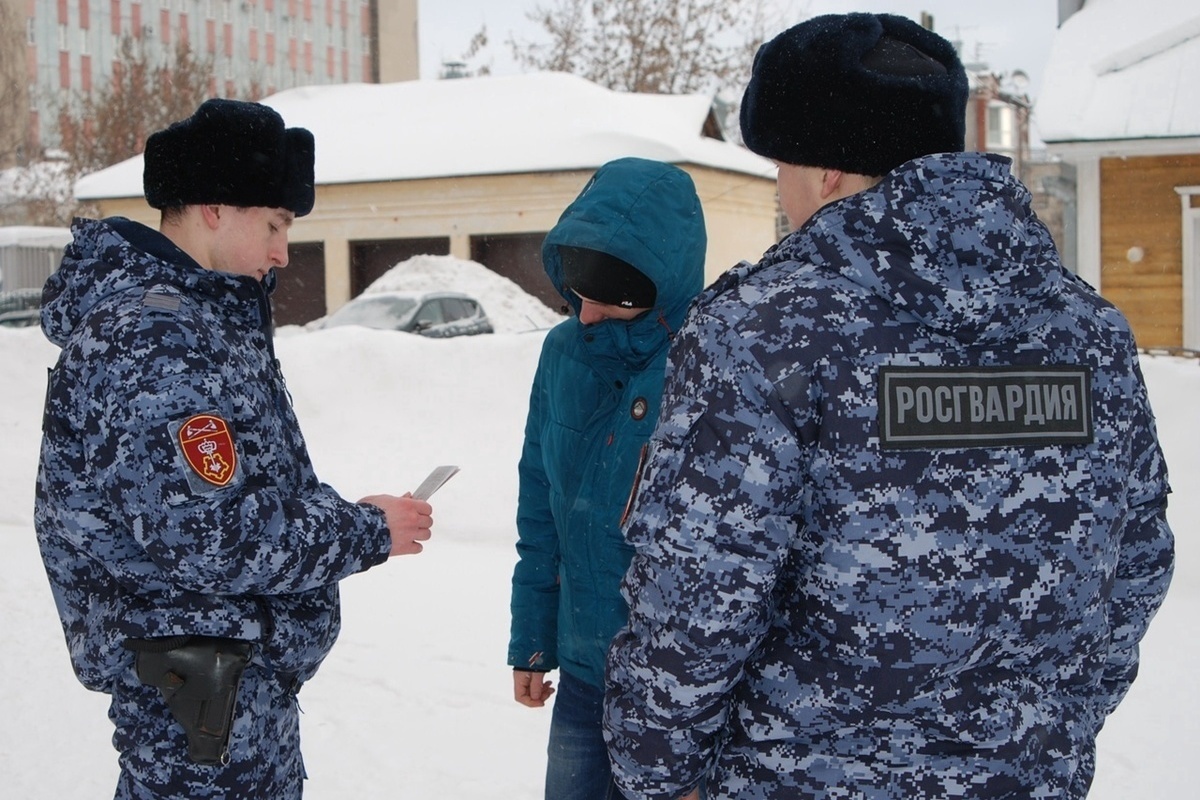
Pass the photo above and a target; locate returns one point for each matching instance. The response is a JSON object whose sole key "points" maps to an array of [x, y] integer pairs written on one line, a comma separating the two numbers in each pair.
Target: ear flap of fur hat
{"points": [[861, 93], [233, 153]]}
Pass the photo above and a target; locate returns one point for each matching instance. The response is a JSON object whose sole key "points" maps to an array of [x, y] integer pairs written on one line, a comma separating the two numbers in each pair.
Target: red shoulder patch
{"points": [[207, 444]]}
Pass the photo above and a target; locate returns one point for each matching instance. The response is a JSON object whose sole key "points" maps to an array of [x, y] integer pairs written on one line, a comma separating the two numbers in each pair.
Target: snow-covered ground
{"points": [[415, 701]]}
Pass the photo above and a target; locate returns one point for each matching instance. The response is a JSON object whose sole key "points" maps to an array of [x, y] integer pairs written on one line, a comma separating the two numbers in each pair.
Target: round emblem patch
{"points": [[207, 445], [639, 409]]}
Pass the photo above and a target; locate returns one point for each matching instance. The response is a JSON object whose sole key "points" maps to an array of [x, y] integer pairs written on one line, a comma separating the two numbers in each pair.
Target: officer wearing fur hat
{"points": [[193, 555], [628, 257], [903, 521]]}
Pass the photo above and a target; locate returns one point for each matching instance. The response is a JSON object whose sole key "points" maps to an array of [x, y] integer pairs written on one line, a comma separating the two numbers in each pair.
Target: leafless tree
{"points": [[13, 99], [112, 123], [475, 50], [649, 46]]}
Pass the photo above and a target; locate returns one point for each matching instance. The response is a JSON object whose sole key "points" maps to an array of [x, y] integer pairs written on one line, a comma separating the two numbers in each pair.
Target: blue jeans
{"points": [[578, 768]]}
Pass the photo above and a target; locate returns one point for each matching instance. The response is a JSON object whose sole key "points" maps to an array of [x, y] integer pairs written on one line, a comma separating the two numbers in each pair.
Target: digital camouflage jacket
{"points": [[174, 493], [903, 522]]}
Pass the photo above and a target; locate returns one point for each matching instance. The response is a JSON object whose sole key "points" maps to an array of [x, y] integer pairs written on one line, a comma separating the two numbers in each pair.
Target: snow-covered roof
{"points": [[1123, 69], [536, 122], [34, 236]]}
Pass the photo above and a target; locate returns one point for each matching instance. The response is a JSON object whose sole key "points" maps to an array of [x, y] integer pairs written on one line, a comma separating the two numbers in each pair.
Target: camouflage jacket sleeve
{"points": [[535, 589], [270, 527], [1145, 565], [1143, 574], [713, 527]]}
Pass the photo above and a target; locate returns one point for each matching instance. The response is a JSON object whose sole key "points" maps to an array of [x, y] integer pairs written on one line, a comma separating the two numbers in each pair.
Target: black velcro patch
{"points": [[944, 407]]}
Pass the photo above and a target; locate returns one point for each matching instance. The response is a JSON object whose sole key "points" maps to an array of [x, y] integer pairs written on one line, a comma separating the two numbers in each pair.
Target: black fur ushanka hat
{"points": [[861, 93], [233, 153]]}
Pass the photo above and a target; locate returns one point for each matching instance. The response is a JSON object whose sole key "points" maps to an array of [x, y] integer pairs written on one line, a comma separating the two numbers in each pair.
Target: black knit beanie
{"points": [[233, 153], [604, 278], [861, 93]]}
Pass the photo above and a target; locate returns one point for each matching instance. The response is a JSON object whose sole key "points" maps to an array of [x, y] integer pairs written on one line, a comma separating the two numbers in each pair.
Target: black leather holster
{"points": [[198, 677]]}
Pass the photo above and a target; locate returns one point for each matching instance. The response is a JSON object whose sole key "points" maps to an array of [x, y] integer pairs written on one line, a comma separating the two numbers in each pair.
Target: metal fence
{"points": [[27, 267], [29, 255]]}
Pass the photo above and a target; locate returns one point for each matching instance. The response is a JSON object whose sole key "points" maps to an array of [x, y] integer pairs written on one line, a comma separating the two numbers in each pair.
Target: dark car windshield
{"points": [[385, 313]]}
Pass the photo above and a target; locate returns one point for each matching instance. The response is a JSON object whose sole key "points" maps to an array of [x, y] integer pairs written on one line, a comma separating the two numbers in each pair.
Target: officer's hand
{"points": [[531, 688], [409, 521]]}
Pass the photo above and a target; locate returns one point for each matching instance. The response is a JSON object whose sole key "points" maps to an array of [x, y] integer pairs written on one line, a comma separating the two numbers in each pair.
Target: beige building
{"points": [[478, 168], [396, 53]]}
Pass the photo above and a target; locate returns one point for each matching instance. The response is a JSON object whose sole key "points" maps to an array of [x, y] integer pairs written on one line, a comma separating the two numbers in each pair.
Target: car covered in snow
{"points": [[20, 308], [437, 314]]}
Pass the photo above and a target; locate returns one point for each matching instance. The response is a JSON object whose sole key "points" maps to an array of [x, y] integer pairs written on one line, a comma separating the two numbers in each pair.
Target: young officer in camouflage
{"points": [[903, 524], [193, 555], [628, 256]]}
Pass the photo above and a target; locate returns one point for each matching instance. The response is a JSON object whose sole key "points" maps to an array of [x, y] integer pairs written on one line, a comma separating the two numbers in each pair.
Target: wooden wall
{"points": [[1139, 208]]}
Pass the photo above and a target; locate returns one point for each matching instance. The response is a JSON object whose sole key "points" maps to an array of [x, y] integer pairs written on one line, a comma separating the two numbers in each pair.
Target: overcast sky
{"points": [[1008, 36]]}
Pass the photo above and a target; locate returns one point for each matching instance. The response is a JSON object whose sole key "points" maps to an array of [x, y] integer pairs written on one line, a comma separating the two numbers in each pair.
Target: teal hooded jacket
{"points": [[593, 406]]}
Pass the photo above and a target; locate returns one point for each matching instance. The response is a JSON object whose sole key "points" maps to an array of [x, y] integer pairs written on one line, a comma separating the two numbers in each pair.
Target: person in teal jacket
{"points": [[628, 257]]}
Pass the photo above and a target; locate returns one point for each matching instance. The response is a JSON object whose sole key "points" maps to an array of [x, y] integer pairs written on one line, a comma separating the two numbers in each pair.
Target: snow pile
{"points": [[34, 236], [510, 308]]}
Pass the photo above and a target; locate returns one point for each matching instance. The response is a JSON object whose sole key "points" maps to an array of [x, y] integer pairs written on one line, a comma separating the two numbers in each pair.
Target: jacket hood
{"points": [[115, 255], [950, 239], [645, 213]]}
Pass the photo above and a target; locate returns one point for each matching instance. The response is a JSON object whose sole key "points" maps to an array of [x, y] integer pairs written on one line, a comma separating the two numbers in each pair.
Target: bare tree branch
{"points": [[649, 46], [13, 98], [112, 123]]}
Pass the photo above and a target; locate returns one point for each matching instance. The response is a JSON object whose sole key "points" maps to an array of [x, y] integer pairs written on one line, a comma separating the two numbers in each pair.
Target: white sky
{"points": [[415, 700], [1007, 35]]}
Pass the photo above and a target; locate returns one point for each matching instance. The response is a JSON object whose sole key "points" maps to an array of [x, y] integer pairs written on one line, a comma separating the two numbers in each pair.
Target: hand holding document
{"points": [[434, 481], [409, 522]]}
